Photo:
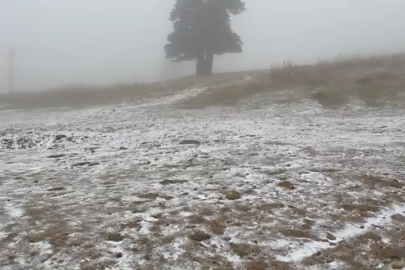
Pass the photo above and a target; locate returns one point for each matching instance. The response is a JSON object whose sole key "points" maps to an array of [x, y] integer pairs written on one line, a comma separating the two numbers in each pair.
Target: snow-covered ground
{"points": [[149, 186]]}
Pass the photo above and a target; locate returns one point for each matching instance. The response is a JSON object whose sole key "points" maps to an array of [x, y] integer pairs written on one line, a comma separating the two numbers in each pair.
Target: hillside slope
{"points": [[229, 173]]}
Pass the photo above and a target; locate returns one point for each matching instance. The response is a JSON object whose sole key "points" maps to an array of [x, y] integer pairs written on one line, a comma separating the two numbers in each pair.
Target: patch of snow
{"points": [[123, 263], [2, 235], [233, 258], [185, 214], [13, 210], [348, 232]]}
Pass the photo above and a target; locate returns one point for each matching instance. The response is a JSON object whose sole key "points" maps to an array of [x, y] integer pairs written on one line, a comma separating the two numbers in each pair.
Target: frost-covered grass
{"points": [[116, 187]]}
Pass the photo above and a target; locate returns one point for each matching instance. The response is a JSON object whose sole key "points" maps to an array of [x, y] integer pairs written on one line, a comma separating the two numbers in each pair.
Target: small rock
{"points": [[199, 236], [398, 265], [56, 189], [60, 137], [115, 237], [330, 236], [170, 182], [166, 197], [89, 164], [190, 142], [287, 185], [130, 225], [56, 156], [233, 195], [92, 149], [150, 196]]}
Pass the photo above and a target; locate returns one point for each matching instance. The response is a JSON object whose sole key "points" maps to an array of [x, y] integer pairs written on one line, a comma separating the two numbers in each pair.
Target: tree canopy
{"points": [[202, 28]]}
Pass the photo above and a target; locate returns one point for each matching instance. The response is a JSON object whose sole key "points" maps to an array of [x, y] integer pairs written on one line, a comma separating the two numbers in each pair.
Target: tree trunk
{"points": [[209, 62], [200, 68], [205, 62]]}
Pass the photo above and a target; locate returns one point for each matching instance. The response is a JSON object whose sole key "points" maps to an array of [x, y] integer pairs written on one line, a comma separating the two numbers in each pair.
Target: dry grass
{"points": [[77, 96], [374, 80], [85, 96]]}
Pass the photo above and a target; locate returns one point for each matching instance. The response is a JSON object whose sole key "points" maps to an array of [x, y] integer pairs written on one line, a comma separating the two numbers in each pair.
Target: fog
{"points": [[61, 43]]}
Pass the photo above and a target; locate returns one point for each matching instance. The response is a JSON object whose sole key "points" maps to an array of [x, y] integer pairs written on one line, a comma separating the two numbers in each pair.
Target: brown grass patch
{"points": [[257, 265], [331, 84], [362, 209], [242, 207], [392, 253], [130, 225], [398, 217], [379, 182], [106, 264], [216, 226], [57, 235], [268, 207], [245, 250], [308, 224], [115, 237], [370, 236], [298, 234], [362, 252], [196, 219], [60, 238], [150, 196], [206, 211]]}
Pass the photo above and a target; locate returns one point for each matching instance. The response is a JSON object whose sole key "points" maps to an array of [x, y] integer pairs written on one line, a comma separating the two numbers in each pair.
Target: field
{"points": [[300, 167]]}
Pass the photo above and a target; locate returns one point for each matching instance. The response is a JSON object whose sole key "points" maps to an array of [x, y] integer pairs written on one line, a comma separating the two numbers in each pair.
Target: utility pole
{"points": [[11, 59]]}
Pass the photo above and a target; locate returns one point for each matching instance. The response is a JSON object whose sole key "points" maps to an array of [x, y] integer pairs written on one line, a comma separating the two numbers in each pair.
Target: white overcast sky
{"points": [[62, 42]]}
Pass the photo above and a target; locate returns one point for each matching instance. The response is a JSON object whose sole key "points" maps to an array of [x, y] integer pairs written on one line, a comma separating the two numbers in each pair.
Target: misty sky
{"points": [[63, 42]]}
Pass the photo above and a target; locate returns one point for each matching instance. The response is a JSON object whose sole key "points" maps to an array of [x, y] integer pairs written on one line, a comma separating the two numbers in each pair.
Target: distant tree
{"points": [[202, 29]]}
